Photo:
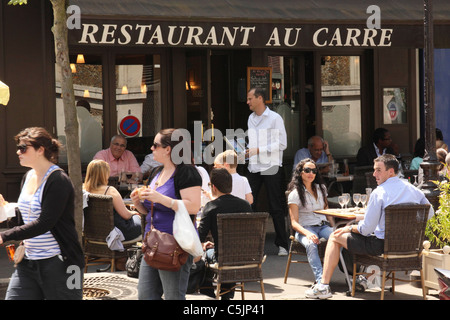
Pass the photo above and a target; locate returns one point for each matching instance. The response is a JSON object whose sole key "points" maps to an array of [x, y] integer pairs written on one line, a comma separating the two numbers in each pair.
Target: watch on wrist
{"points": [[350, 228]]}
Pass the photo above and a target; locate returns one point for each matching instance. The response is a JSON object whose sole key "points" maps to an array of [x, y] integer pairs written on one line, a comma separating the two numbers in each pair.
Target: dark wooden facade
{"points": [[27, 61]]}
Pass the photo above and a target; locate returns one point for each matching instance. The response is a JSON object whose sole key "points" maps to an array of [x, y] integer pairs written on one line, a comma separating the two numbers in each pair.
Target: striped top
{"points": [[43, 246]]}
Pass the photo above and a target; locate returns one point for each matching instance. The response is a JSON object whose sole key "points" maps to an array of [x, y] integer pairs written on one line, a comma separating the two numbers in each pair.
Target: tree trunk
{"points": [[59, 30]]}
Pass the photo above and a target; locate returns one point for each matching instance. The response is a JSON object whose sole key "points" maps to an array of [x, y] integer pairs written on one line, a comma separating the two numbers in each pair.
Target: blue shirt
{"points": [[304, 153], [393, 191]]}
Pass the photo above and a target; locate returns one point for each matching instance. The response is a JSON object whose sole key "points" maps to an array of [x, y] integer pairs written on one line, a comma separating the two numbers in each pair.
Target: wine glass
{"points": [[364, 200], [341, 200], [357, 199], [347, 198]]}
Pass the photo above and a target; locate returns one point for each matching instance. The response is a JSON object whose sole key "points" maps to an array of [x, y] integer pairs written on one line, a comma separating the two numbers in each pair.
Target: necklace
{"points": [[160, 178]]}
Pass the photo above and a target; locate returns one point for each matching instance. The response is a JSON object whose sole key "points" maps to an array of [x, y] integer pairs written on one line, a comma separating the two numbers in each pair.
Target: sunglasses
{"points": [[156, 145], [309, 170], [22, 148]]}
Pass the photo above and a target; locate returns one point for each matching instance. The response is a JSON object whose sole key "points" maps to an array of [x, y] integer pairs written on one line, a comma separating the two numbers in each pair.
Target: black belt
{"points": [[323, 223]]}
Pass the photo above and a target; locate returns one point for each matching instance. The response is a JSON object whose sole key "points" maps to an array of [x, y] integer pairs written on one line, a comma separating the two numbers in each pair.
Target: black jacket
{"points": [[57, 216]]}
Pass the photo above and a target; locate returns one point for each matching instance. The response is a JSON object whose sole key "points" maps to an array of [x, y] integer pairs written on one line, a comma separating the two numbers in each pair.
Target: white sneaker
{"points": [[319, 291], [282, 251]]}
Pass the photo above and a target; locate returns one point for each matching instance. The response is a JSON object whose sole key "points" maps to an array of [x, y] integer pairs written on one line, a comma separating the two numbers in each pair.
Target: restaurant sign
{"points": [[229, 35]]}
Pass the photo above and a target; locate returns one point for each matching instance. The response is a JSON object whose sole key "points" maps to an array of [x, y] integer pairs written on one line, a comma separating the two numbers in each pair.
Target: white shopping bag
{"points": [[185, 233], [7, 211], [2, 213]]}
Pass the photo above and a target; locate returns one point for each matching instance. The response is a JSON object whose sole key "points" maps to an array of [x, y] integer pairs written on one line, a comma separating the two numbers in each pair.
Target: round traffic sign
{"points": [[130, 126]]}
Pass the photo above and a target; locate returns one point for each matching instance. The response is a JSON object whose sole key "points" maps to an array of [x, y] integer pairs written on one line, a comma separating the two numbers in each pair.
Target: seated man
{"points": [[241, 188], [224, 202], [368, 236], [119, 159], [148, 164], [318, 150], [381, 144]]}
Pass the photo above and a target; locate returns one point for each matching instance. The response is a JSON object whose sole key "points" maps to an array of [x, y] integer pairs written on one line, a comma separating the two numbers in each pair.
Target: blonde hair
{"points": [[97, 175], [229, 157]]}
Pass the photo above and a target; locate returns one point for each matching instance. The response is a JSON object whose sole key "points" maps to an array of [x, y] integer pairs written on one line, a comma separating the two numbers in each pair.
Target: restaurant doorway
{"points": [[293, 98]]}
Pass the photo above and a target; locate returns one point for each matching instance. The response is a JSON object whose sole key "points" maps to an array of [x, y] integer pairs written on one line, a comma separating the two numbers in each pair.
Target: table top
{"points": [[341, 178], [348, 214]]}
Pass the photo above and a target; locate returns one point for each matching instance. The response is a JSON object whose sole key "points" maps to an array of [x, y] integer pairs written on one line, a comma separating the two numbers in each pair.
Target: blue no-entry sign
{"points": [[130, 126]]}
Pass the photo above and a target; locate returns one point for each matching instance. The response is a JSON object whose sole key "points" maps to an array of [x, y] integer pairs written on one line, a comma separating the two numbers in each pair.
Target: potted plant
{"points": [[437, 249]]}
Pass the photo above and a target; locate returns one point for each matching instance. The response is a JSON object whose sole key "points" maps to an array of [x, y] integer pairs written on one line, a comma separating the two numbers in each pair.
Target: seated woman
{"points": [[307, 194], [419, 153], [129, 222]]}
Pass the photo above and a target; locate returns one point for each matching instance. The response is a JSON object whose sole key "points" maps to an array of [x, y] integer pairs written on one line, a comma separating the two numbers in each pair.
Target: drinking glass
{"points": [[364, 200], [357, 199], [347, 198], [415, 181], [341, 200]]}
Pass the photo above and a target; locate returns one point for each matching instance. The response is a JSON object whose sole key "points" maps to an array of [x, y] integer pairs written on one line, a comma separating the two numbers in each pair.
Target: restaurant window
{"points": [[138, 94], [341, 104], [88, 90]]}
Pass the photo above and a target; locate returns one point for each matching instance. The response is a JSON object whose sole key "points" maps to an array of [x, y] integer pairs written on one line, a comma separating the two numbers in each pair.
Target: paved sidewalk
{"points": [[118, 286]]}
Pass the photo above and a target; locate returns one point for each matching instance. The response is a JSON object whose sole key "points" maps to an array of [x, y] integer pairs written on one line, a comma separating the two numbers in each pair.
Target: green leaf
{"points": [[19, 2]]}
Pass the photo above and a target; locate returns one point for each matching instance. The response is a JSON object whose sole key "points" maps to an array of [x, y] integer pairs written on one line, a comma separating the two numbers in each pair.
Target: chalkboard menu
{"points": [[260, 77]]}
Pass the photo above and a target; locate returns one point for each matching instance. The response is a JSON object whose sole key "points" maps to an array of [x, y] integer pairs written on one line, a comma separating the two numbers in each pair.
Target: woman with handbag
{"points": [[168, 183], [46, 222]]}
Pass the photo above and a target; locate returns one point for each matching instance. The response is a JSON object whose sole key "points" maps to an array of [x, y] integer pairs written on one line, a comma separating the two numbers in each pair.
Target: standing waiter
{"points": [[267, 140]]}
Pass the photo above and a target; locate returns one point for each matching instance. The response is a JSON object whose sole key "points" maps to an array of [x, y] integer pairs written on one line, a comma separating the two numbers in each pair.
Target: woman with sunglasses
{"points": [[307, 194], [168, 183], [46, 224]]}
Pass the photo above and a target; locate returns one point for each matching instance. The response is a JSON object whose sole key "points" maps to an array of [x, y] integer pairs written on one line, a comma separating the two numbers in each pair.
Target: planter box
{"points": [[434, 258]]}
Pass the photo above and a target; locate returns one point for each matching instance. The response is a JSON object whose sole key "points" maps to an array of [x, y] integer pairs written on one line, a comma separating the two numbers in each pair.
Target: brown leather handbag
{"points": [[161, 250]]}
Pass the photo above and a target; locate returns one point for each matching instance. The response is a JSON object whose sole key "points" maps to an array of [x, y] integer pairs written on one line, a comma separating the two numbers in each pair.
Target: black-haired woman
{"points": [[308, 194]]}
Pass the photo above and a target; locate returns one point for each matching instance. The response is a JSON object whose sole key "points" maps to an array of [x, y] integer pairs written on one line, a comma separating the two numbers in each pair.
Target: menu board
{"points": [[260, 77]]}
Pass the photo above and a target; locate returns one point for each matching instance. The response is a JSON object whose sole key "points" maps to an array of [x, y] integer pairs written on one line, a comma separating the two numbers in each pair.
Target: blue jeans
{"points": [[153, 283], [312, 251], [46, 279]]}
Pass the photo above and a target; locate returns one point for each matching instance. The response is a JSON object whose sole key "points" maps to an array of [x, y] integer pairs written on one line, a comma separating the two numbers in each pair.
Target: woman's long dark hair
{"points": [[297, 182]]}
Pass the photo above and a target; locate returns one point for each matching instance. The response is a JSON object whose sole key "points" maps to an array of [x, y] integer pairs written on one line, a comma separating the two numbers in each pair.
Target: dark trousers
{"points": [[46, 279], [273, 180]]}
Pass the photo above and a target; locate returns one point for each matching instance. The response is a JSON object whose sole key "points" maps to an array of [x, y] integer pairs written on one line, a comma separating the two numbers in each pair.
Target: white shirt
{"points": [[266, 132], [306, 215], [393, 191], [241, 187]]}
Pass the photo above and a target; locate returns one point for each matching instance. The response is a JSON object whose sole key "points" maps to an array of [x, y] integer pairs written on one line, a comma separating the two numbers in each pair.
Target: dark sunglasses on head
{"points": [[23, 147], [309, 170]]}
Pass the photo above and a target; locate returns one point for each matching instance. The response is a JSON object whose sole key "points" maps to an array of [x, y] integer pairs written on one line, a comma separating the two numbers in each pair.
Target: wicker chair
{"points": [[404, 235], [296, 248], [241, 250], [98, 223]]}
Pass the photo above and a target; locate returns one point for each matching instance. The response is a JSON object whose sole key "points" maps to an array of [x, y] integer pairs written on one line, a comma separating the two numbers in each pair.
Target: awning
{"points": [[283, 24], [4, 93], [399, 11]]}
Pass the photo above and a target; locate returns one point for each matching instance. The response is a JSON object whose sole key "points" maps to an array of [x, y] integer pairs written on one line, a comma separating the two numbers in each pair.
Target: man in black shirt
{"points": [[224, 202]]}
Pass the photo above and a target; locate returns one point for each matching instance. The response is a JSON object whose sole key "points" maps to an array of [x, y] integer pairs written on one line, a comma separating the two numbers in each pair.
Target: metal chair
{"points": [[404, 235], [296, 248], [98, 223], [241, 250]]}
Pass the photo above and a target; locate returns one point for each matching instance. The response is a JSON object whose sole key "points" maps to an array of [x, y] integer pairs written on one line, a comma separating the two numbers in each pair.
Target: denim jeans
{"points": [[46, 279], [312, 251], [153, 283]]}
